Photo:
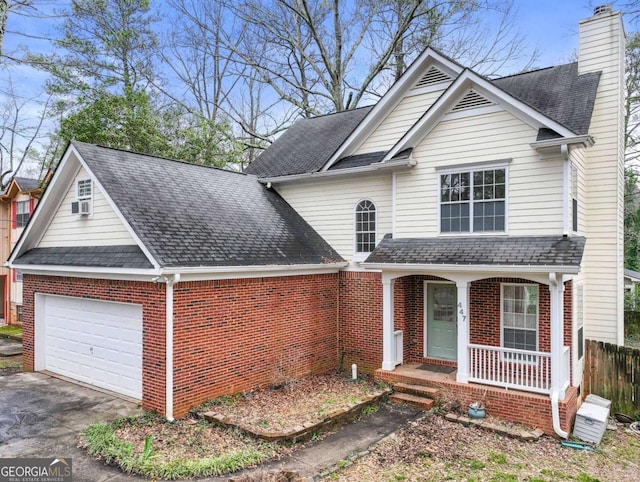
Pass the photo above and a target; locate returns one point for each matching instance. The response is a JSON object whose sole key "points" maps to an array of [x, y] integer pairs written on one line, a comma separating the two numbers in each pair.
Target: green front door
{"points": [[441, 330]]}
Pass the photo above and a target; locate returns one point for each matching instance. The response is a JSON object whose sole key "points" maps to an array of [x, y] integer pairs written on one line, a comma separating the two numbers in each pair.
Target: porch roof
{"points": [[475, 251]]}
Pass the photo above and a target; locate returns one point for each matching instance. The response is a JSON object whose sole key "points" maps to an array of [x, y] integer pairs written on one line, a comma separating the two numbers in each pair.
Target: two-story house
{"points": [[16, 204], [461, 224]]}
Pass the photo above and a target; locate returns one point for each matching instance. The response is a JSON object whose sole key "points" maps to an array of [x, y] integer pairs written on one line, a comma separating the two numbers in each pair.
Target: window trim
{"points": [[362, 255], [470, 168], [83, 198], [28, 203], [502, 285]]}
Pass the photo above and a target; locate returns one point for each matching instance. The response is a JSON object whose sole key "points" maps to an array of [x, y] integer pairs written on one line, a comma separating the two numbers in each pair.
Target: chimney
{"points": [[599, 10], [601, 41]]}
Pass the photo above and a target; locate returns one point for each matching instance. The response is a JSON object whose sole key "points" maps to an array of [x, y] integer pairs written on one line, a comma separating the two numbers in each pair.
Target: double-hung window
{"points": [[365, 226], [574, 197], [473, 201], [23, 213], [520, 316]]}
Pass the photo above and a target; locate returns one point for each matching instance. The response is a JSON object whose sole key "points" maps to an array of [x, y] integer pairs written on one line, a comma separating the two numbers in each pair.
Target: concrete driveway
{"points": [[41, 416]]}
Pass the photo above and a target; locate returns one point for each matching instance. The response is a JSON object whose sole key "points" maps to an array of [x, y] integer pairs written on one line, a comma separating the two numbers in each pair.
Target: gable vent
{"points": [[471, 100], [432, 76]]}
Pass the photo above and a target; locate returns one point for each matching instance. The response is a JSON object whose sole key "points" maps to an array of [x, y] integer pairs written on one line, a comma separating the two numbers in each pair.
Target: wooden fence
{"points": [[613, 372]]}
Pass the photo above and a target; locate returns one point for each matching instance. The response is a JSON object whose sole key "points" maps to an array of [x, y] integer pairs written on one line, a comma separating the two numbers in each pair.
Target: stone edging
{"points": [[11, 337], [524, 435], [306, 431]]}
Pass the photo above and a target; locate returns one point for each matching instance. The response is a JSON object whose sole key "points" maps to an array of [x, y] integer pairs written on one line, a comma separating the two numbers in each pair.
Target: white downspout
{"points": [[393, 203], [555, 392], [566, 188], [169, 346]]}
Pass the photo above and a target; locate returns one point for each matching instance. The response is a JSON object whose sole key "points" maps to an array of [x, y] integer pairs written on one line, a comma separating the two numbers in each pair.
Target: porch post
{"points": [[556, 308], [388, 355], [463, 331]]}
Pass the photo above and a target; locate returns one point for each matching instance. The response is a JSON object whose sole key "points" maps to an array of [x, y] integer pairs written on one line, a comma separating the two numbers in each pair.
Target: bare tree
{"points": [[20, 132], [328, 56]]}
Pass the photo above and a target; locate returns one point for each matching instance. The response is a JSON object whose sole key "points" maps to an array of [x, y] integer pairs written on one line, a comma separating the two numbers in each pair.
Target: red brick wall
{"points": [[360, 315], [150, 295], [234, 335], [484, 312], [360, 320]]}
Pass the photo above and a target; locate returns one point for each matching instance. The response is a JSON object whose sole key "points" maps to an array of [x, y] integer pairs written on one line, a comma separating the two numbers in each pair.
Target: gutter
{"points": [[585, 140], [375, 167], [473, 267]]}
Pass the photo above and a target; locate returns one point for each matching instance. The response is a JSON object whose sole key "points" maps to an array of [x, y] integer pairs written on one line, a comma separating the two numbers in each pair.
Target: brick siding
{"points": [[150, 295], [234, 335]]}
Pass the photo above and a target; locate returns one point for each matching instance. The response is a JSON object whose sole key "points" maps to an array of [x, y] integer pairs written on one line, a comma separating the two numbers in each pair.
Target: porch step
{"points": [[413, 400], [420, 390]]}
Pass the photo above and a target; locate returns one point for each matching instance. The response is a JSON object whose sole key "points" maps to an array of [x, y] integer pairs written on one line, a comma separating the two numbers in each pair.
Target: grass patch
{"points": [[11, 330], [10, 363], [156, 455]]}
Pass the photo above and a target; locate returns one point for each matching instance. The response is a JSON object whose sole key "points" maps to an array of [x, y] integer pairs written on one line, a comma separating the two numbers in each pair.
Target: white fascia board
{"points": [[371, 168], [488, 268], [465, 81], [239, 272], [48, 204], [390, 100], [585, 141], [88, 272], [123, 220]]}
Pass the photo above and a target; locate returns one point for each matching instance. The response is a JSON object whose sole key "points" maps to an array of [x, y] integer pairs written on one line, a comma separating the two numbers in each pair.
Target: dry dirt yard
{"points": [[308, 400], [433, 449]]}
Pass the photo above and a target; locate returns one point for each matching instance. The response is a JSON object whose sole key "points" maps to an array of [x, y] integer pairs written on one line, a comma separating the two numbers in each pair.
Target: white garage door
{"points": [[93, 341]]}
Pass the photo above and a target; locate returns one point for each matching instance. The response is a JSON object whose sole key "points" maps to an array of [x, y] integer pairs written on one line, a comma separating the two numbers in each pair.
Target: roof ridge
{"points": [[532, 71], [335, 113], [160, 157]]}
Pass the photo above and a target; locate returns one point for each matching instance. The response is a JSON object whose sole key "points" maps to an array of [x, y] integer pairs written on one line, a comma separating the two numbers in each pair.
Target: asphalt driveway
{"points": [[41, 416]]}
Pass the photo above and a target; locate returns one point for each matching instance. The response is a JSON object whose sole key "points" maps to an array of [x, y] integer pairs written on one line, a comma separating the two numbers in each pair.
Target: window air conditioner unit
{"points": [[85, 208]]}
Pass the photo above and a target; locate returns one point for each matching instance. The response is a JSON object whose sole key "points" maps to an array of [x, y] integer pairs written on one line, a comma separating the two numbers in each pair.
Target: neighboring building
{"points": [[463, 222], [16, 205]]}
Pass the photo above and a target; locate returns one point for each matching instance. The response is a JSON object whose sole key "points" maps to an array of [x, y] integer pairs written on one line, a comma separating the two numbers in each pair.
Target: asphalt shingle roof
{"points": [[557, 92], [188, 215], [27, 183], [481, 250], [307, 145], [95, 256]]}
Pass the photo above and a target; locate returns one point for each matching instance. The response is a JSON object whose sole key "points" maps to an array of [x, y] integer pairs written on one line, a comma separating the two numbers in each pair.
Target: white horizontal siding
{"points": [[329, 207], [102, 228], [534, 184], [398, 122], [601, 51]]}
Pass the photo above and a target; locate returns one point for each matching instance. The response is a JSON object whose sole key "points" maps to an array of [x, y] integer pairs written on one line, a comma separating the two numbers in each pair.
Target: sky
{"points": [[549, 25]]}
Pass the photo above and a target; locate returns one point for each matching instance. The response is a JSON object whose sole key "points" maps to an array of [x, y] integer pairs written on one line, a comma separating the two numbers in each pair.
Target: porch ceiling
{"points": [[526, 253]]}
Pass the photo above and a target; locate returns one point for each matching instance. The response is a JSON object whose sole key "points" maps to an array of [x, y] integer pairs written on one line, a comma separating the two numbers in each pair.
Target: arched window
{"points": [[365, 226]]}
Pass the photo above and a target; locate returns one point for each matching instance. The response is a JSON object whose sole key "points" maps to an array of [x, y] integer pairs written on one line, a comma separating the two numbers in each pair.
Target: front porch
{"points": [[514, 368], [518, 406]]}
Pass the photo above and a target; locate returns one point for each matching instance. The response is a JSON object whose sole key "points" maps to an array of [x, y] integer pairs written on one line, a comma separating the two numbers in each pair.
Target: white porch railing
{"points": [[519, 369]]}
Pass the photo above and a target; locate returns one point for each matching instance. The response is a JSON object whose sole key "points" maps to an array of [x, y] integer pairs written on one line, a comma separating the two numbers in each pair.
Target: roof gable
{"points": [[468, 81], [188, 215]]}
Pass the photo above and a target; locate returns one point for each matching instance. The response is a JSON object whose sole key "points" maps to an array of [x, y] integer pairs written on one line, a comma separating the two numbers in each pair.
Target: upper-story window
{"points": [[84, 189], [473, 201], [23, 213], [365, 226]]}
